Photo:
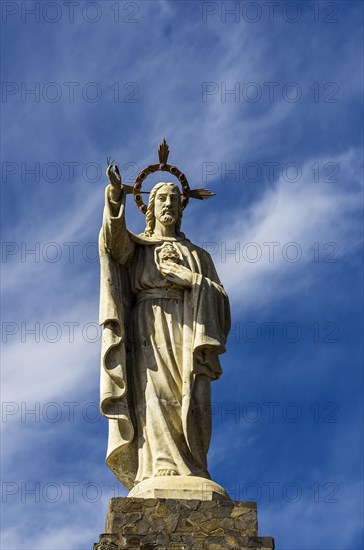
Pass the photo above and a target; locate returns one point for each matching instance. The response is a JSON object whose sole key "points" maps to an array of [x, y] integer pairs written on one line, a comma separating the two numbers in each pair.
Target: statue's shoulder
{"points": [[142, 239], [202, 253]]}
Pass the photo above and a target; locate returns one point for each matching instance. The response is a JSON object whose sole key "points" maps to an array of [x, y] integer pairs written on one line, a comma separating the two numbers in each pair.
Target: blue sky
{"points": [[114, 78]]}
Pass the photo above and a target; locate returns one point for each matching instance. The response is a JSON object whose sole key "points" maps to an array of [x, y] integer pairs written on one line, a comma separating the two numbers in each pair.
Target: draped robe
{"points": [[160, 348]]}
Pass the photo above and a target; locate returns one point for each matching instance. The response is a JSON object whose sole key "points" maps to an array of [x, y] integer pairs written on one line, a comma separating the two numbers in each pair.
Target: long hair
{"points": [[150, 216]]}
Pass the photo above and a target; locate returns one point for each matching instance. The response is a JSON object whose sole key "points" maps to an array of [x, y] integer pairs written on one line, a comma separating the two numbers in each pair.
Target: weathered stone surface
{"points": [[171, 524], [148, 282]]}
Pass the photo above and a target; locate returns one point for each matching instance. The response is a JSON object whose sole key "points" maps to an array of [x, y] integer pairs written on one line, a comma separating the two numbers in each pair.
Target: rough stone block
{"points": [[180, 524]]}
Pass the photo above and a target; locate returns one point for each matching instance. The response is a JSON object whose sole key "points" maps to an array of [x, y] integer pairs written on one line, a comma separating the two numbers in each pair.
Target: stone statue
{"points": [[165, 318]]}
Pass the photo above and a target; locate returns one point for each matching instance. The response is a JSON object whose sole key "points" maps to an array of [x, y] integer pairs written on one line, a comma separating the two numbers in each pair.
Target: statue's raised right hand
{"points": [[114, 177]]}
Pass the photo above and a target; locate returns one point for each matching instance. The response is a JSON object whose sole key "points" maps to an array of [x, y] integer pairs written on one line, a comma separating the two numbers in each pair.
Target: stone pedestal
{"points": [[179, 487], [179, 524]]}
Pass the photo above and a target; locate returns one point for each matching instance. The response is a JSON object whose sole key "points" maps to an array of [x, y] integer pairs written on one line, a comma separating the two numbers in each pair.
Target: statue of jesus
{"points": [[165, 319]]}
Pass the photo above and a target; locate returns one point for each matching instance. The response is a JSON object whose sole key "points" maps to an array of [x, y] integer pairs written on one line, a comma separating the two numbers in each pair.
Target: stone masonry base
{"points": [[178, 524]]}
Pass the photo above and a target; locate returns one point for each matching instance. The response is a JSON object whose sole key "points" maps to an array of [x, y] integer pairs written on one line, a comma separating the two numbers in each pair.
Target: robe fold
{"points": [[160, 348]]}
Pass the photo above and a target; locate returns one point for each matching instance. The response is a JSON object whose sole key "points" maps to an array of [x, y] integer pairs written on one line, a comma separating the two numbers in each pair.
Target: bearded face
{"points": [[166, 204]]}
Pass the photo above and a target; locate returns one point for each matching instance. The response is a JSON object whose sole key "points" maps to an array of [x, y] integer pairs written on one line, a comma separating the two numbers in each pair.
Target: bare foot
{"points": [[167, 473]]}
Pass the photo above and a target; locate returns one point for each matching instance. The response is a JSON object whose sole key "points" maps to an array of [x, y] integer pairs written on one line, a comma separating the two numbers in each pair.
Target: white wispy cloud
{"points": [[302, 213]]}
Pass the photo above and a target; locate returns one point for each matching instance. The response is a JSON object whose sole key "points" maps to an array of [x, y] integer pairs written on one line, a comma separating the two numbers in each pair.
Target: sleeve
{"points": [[115, 235]]}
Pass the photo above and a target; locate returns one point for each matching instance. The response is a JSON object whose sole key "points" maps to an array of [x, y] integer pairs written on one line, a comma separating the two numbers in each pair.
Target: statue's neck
{"points": [[161, 230]]}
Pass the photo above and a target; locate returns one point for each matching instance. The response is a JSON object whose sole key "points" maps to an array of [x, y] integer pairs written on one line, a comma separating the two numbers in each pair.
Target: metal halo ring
{"points": [[142, 176]]}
